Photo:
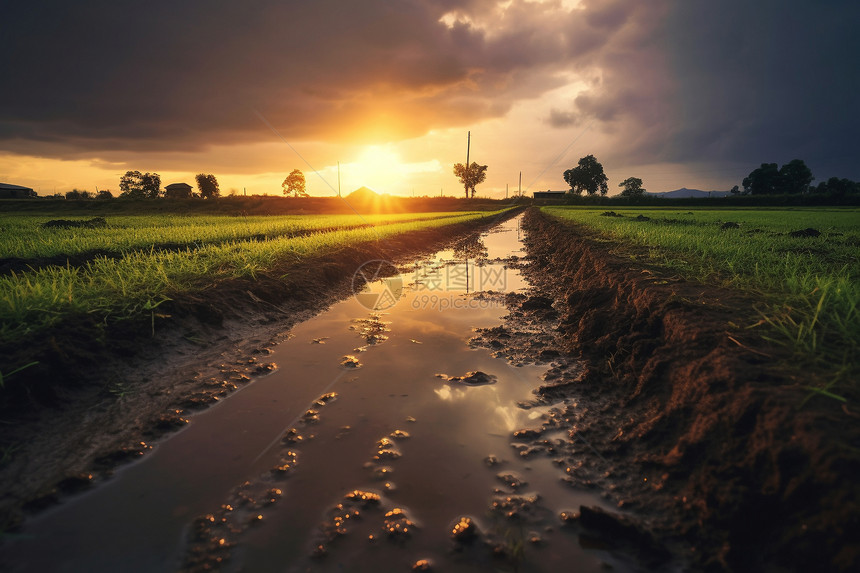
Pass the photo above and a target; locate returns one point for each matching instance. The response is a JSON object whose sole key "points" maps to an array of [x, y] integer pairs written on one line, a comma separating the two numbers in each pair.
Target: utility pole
{"points": [[468, 146], [520, 192], [506, 190]]}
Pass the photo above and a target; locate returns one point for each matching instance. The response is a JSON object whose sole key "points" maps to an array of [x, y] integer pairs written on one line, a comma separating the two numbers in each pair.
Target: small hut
{"points": [[8, 191], [178, 191]]}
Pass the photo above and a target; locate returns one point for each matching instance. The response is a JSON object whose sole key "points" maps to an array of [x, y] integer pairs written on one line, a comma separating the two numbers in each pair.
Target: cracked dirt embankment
{"points": [[720, 457]]}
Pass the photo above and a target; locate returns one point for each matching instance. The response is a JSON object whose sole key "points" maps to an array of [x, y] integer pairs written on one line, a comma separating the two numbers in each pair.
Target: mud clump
{"points": [[397, 526], [123, 455], [372, 329], [287, 465], [516, 507], [75, 483], [622, 534], [804, 233], [365, 498], [476, 378], [94, 223], [730, 225], [464, 530], [512, 480], [170, 422]]}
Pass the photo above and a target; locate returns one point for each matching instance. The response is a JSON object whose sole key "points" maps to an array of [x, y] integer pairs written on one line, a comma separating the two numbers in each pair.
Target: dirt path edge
{"points": [[719, 456]]}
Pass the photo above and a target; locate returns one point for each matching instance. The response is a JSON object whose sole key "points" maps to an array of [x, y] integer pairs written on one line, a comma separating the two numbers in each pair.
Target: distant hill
{"points": [[363, 194], [684, 193]]}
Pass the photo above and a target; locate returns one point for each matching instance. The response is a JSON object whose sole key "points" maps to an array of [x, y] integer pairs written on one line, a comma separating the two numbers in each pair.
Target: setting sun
{"points": [[381, 168]]}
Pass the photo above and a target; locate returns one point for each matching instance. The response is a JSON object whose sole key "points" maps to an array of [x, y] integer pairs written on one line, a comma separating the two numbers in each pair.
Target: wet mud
{"points": [[702, 433]]}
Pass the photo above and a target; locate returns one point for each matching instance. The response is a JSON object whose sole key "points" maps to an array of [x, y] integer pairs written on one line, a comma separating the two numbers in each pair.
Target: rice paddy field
{"points": [[803, 265], [23, 236], [135, 263]]}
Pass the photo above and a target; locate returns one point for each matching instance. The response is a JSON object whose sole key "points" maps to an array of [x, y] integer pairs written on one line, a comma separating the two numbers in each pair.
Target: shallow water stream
{"points": [[361, 452]]}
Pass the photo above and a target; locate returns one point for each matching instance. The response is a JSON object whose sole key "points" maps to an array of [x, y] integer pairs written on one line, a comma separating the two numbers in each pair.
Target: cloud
{"points": [[663, 81], [725, 82], [765, 81], [96, 75], [99, 76]]}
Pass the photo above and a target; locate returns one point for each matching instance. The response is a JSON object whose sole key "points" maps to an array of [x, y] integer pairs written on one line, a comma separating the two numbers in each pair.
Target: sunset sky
{"points": [[693, 93]]}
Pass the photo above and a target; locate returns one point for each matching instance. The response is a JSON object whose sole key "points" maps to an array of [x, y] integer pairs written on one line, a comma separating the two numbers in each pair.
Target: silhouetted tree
{"points": [[137, 185], [792, 178], [104, 195], [836, 187], [763, 181], [208, 185], [76, 195], [735, 190], [632, 187], [294, 184], [795, 177], [587, 176], [471, 176]]}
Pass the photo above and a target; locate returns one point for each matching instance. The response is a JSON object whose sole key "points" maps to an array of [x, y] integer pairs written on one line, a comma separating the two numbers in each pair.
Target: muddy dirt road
{"points": [[383, 441]]}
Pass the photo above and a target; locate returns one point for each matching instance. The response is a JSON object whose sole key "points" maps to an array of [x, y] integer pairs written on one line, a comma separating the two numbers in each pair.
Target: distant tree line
{"points": [[137, 185], [793, 178], [78, 195]]}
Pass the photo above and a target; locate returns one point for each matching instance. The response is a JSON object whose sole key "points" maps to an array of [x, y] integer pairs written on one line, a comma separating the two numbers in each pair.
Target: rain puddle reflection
{"points": [[383, 442]]}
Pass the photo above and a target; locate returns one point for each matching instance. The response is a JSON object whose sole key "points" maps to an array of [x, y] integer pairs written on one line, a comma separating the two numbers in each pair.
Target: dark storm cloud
{"points": [[97, 75], [767, 81], [732, 81]]}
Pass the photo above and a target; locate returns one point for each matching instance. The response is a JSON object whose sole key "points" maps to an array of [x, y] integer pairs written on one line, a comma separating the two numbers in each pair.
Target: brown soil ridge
{"points": [[744, 476], [101, 392]]}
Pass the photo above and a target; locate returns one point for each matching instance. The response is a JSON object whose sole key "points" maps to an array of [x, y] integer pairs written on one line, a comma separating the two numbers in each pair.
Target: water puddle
{"points": [[383, 442]]}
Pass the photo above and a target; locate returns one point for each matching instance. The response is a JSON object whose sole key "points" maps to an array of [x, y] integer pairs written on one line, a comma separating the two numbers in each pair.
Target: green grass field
{"points": [[113, 288], [809, 285], [22, 236]]}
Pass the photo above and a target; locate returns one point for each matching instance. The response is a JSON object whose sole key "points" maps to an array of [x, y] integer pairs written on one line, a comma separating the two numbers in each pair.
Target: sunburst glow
{"points": [[381, 168]]}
